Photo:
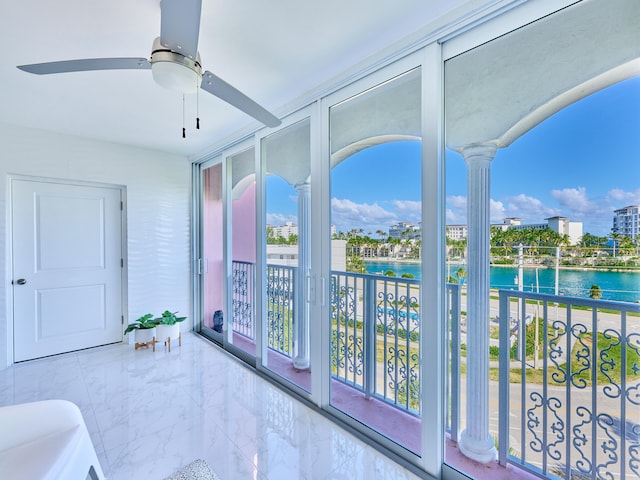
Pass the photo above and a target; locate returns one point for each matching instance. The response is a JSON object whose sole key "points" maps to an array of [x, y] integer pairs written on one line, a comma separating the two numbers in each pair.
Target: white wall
{"points": [[157, 208]]}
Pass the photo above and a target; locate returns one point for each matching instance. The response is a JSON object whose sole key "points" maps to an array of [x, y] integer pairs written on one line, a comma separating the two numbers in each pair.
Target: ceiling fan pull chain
{"points": [[197, 108], [184, 131]]}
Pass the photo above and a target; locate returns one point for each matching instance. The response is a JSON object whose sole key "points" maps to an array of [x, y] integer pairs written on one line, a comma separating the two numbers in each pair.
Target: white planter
{"points": [[167, 333], [145, 337]]}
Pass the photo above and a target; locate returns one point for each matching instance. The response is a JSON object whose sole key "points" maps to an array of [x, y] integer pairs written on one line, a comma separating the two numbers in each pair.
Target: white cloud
{"points": [[456, 210], [529, 209], [346, 215], [277, 219], [619, 198], [574, 199], [455, 218], [408, 210], [497, 211], [574, 203], [595, 215], [457, 202]]}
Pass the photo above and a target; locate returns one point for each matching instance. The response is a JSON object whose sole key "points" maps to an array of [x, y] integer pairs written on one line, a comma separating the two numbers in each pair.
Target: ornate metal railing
{"points": [[375, 332], [375, 336], [570, 404], [281, 304], [280, 295], [243, 298]]}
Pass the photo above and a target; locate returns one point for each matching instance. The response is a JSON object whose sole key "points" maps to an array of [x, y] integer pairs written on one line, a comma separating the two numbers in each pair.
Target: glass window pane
{"points": [[213, 253], [287, 159], [243, 250], [375, 282]]}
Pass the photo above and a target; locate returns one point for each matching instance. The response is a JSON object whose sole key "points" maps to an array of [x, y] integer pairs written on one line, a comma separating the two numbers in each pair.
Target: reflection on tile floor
{"points": [[151, 413]]}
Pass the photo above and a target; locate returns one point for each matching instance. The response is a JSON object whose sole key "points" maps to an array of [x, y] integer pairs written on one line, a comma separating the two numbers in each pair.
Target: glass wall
{"points": [[212, 264], [376, 239], [286, 159], [360, 323], [242, 251], [551, 101]]}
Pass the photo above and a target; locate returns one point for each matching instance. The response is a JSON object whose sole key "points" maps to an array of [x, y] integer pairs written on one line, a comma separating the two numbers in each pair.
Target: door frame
{"points": [[429, 60], [9, 248], [307, 113]]}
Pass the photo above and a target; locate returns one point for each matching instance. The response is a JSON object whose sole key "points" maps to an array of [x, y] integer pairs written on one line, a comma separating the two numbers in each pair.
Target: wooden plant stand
{"points": [[151, 342], [167, 342]]}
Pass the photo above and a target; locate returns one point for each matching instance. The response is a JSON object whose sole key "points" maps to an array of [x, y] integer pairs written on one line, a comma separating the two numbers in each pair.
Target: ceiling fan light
{"points": [[175, 76]]}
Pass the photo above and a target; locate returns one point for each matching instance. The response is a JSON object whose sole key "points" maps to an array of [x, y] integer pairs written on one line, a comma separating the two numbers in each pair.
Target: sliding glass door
{"points": [[286, 163], [314, 240], [241, 251], [211, 263], [376, 273]]}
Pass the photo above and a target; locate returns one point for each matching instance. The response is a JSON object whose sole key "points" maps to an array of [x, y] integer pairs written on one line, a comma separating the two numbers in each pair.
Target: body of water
{"points": [[621, 286]]}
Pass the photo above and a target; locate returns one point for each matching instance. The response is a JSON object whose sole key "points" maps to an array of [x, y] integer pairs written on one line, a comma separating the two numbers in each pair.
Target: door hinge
{"points": [[121, 206], [122, 319], [122, 263]]}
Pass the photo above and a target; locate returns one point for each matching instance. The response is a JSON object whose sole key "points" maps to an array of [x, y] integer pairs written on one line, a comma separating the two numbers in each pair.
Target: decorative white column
{"points": [[301, 357], [475, 441]]}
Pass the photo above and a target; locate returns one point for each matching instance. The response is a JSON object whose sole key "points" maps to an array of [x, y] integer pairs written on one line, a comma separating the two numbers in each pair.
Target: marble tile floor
{"points": [[151, 413]]}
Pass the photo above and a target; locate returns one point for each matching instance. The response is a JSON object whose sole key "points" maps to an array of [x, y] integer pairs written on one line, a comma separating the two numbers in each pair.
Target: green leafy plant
{"points": [[143, 323], [168, 318]]}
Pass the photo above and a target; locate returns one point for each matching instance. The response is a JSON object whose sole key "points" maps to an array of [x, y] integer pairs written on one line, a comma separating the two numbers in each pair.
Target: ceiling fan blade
{"points": [[180, 26], [87, 64], [221, 89]]}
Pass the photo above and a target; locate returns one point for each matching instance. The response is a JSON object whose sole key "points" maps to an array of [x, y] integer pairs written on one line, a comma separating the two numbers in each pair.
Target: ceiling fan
{"points": [[174, 62]]}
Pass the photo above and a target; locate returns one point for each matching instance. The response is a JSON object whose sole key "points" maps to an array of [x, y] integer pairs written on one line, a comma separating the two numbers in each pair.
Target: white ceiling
{"points": [[272, 51]]}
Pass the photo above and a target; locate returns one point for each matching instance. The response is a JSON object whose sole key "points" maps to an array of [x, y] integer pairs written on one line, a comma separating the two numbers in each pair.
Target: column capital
{"points": [[479, 151], [303, 187]]}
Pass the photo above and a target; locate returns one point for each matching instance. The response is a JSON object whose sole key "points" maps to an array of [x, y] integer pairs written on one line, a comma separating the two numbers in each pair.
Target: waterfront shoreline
{"points": [[500, 265], [615, 283]]}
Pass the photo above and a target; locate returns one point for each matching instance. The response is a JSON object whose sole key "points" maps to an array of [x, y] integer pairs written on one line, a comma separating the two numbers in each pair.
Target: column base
{"points": [[301, 363], [483, 451]]}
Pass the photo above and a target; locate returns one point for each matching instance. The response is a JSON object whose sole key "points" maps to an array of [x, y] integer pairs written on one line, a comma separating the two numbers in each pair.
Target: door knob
{"points": [[21, 281]]}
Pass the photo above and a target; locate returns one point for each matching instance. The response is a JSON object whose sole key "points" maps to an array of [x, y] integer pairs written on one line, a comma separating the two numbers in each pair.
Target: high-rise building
{"points": [[626, 221]]}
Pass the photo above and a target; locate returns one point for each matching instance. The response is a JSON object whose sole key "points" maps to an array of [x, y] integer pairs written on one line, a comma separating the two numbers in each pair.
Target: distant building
{"points": [[564, 226], [509, 222], [404, 230], [288, 255], [285, 230], [512, 222], [561, 225], [626, 221], [457, 232]]}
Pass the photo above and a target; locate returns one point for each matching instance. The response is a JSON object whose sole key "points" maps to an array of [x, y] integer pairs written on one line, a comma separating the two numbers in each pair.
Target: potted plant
{"points": [[145, 331], [169, 327]]}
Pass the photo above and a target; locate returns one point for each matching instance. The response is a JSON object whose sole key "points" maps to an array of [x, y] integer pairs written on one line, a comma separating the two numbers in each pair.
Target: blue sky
{"points": [[582, 163]]}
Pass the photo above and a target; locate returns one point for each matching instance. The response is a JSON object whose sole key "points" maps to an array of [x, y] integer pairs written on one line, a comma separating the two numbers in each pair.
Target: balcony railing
{"points": [[570, 403], [379, 357], [569, 399], [281, 305], [243, 298], [375, 336]]}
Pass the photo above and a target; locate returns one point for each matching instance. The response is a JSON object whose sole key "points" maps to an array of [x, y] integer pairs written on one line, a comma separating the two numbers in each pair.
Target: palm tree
{"points": [[615, 237], [625, 247]]}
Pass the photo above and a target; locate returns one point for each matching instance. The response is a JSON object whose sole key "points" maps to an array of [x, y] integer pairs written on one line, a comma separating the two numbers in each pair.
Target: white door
{"points": [[67, 270]]}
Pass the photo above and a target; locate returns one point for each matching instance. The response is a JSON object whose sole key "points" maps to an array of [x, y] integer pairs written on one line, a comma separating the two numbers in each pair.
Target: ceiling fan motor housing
{"points": [[173, 70]]}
